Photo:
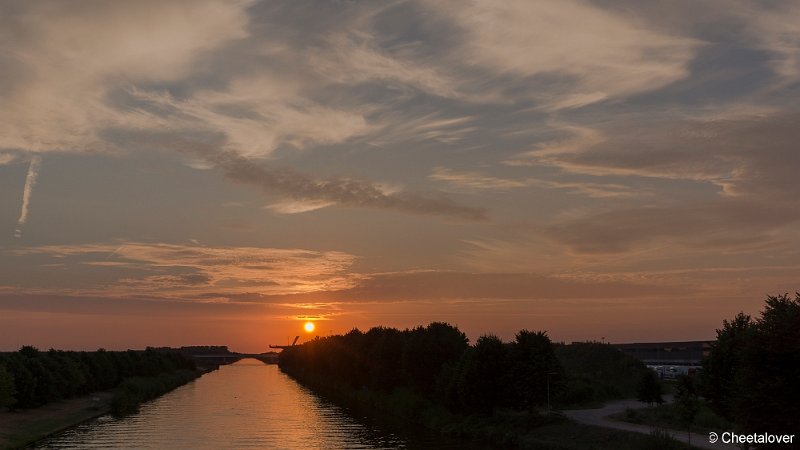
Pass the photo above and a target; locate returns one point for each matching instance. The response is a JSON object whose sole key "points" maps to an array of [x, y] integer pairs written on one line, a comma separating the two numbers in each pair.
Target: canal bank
{"points": [[503, 429], [250, 405], [245, 405], [22, 428]]}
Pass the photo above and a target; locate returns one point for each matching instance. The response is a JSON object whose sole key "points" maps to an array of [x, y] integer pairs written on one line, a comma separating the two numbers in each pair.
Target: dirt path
{"points": [[20, 428], [599, 418]]}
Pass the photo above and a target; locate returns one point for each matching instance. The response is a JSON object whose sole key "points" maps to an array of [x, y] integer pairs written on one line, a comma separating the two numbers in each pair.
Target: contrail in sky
{"points": [[30, 182]]}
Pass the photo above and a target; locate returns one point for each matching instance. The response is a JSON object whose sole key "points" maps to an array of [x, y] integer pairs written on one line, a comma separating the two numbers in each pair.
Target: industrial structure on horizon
{"points": [[669, 359]]}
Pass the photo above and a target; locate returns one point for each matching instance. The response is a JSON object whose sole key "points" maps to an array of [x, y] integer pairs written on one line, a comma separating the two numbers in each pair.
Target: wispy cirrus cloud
{"points": [[444, 286], [744, 154], [604, 56], [298, 206], [6, 158], [478, 182], [352, 58], [256, 115], [543, 108], [123, 81], [191, 270], [55, 97], [474, 180], [284, 91], [725, 224], [428, 127], [320, 280], [775, 29]]}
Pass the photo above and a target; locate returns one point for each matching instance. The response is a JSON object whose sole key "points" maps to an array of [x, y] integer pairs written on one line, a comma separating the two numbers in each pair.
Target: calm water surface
{"points": [[245, 405]]}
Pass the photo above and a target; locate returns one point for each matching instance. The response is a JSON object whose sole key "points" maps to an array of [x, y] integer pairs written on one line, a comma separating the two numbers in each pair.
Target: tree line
{"points": [[751, 374], [598, 372], [31, 378], [749, 377], [437, 363]]}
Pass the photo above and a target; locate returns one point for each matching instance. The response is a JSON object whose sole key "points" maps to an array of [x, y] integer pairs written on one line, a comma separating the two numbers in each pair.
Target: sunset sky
{"points": [[184, 173]]}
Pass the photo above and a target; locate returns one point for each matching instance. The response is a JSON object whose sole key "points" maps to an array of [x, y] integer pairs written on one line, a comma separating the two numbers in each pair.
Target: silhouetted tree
{"points": [[752, 370], [649, 389], [481, 378], [769, 400], [535, 368], [598, 372], [104, 372], [428, 350], [24, 383], [49, 380], [7, 390], [722, 369], [385, 364], [687, 402], [42, 377], [28, 351], [351, 364]]}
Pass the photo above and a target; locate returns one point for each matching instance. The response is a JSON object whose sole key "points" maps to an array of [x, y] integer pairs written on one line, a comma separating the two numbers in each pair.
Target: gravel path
{"points": [[599, 418]]}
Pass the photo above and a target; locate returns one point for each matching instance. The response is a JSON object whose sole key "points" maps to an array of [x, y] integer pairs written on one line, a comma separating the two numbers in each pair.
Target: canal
{"points": [[245, 405]]}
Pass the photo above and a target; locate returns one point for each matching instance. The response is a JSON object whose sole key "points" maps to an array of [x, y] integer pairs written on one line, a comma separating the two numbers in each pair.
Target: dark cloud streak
{"points": [[723, 224], [754, 156], [342, 191]]}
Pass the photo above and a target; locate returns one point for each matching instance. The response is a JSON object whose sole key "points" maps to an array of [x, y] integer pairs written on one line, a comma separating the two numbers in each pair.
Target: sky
{"points": [[218, 172]]}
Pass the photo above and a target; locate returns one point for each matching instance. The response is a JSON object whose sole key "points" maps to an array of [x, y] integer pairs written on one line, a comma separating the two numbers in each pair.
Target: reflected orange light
{"points": [[309, 327]]}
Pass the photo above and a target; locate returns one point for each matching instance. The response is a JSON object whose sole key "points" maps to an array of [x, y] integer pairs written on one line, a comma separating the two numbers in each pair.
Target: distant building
{"points": [[690, 353], [669, 359]]}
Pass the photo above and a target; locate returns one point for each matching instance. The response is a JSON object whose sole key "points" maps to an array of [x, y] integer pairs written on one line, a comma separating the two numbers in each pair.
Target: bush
{"points": [[7, 389], [632, 416], [661, 440], [752, 370], [41, 377], [135, 391], [597, 373]]}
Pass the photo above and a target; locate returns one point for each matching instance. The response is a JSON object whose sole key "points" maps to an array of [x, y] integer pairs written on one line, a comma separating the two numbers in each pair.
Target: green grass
{"points": [[33, 431], [136, 390], [566, 435], [665, 416], [582, 405], [127, 397]]}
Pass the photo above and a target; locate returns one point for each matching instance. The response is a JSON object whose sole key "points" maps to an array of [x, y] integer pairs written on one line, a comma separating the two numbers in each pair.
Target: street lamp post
{"points": [[549, 409]]}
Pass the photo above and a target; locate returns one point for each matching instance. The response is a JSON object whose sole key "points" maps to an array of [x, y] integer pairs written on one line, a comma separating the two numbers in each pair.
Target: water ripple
{"points": [[247, 405]]}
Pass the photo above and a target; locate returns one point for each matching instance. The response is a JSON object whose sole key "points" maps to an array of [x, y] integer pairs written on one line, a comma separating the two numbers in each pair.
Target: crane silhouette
{"points": [[286, 346]]}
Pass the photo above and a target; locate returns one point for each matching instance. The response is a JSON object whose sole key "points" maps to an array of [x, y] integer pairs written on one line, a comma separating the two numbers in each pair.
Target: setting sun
{"points": [[309, 327]]}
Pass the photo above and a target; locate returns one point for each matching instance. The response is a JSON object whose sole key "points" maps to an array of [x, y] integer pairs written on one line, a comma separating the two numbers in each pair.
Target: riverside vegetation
{"points": [[749, 379], [494, 391], [30, 379], [499, 392]]}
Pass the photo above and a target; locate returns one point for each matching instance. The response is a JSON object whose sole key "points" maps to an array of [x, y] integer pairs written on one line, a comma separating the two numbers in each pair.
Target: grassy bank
{"points": [[666, 416], [21, 428], [137, 390], [501, 429]]}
